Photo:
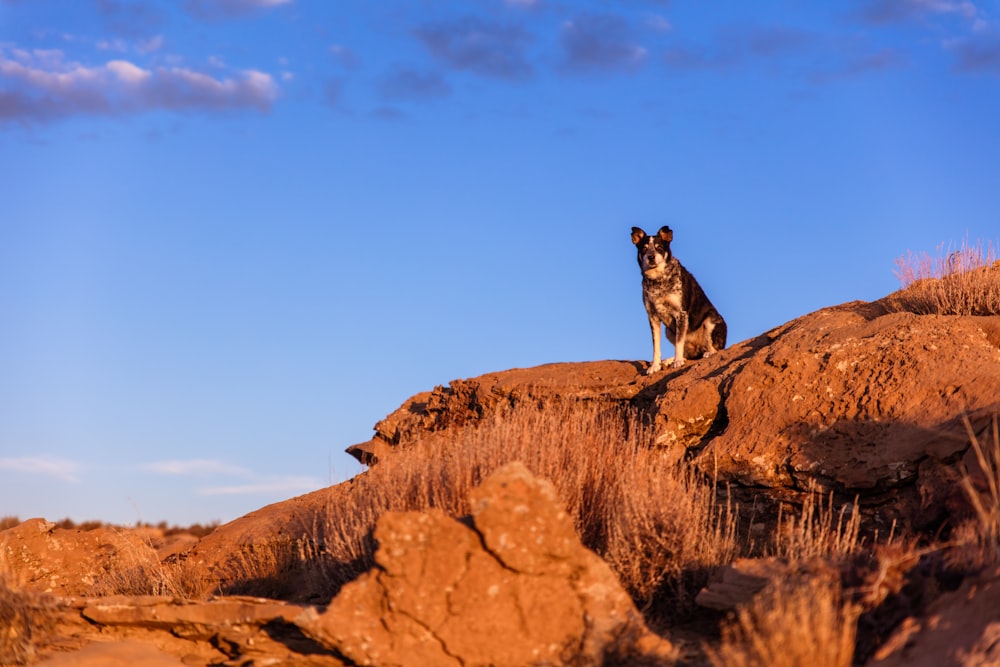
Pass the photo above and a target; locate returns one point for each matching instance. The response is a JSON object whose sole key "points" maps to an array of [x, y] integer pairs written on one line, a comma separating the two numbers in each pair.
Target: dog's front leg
{"points": [[654, 326], [680, 335]]}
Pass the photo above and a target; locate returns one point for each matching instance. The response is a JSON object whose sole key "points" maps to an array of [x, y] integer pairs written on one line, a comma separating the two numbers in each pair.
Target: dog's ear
{"points": [[666, 234], [637, 235]]}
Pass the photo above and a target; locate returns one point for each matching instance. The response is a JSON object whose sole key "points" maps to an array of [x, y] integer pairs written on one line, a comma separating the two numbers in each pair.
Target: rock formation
{"points": [[512, 586], [853, 398]]}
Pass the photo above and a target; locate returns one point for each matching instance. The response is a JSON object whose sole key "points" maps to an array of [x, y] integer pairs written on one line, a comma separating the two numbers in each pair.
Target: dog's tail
{"points": [[719, 335]]}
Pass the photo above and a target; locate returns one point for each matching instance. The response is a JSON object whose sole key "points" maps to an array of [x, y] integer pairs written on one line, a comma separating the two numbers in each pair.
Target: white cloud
{"points": [[227, 8], [150, 45], [43, 85], [280, 484], [63, 469], [251, 483], [197, 467]]}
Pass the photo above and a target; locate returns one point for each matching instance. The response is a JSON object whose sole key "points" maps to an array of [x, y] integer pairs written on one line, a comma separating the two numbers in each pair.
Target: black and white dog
{"points": [[674, 298]]}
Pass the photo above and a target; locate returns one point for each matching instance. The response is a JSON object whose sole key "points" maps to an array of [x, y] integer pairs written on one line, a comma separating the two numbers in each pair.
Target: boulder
{"points": [[510, 585], [854, 398], [959, 629]]}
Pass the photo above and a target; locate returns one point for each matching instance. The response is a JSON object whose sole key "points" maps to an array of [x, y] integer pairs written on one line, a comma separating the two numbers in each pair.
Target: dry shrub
{"points": [[962, 281], [666, 531], [272, 569], [977, 542], [136, 569], [651, 519], [27, 618], [818, 531], [793, 623]]}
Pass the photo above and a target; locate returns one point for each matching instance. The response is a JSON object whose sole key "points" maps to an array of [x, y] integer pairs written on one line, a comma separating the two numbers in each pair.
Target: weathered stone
{"points": [[514, 588], [960, 629]]}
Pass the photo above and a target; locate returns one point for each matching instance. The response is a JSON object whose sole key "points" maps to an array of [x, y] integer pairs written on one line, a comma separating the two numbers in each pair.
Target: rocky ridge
{"points": [[857, 399]]}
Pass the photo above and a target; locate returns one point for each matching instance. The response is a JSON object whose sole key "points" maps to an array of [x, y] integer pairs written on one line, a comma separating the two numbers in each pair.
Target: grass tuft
{"points": [[790, 624], [977, 542], [27, 618], [657, 524], [818, 530], [137, 570], [955, 281]]}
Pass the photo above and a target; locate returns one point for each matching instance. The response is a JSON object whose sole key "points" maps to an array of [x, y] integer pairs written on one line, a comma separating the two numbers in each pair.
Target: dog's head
{"points": [[654, 251]]}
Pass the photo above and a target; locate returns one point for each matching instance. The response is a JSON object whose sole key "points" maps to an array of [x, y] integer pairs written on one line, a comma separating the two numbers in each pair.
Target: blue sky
{"points": [[234, 234]]}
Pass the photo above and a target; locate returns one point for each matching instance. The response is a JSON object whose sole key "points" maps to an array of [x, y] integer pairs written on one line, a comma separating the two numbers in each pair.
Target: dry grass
{"points": [[819, 530], [794, 623], [272, 569], [136, 569], [962, 281], [657, 524], [977, 542], [26, 619]]}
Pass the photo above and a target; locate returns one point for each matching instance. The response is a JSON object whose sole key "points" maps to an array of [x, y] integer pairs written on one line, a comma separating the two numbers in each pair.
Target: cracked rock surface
{"points": [[512, 586], [854, 398]]}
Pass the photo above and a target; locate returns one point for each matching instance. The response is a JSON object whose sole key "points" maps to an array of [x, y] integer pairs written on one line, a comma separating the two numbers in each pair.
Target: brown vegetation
{"points": [[26, 619], [790, 624], [655, 522], [962, 281]]}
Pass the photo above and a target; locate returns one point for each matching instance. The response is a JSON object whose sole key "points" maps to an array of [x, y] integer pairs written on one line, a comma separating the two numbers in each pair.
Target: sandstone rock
{"points": [[163, 631], [58, 560], [853, 398], [737, 583], [466, 401], [512, 586], [114, 654], [960, 629]]}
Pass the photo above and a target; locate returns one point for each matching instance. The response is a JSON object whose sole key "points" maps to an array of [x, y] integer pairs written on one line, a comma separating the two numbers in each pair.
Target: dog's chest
{"points": [[663, 294]]}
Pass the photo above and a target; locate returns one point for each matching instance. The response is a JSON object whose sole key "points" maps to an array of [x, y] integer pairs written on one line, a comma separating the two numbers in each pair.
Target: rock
{"points": [[465, 402], [737, 583], [113, 654], [58, 560], [855, 401], [960, 629], [164, 631], [511, 586], [854, 398]]}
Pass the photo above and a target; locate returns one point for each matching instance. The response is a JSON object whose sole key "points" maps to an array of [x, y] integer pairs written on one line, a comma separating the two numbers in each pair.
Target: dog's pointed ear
{"points": [[637, 235], [666, 234]]}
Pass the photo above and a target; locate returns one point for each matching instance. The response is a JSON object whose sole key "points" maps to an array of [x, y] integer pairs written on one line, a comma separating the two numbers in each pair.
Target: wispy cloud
{"points": [[482, 47], [62, 469], [197, 467], [249, 482], [215, 9], [279, 484], [344, 56], [899, 11], [860, 65], [43, 86], [600, 42], [816, 58], [980, 54], [132, 19], [407, 83]]}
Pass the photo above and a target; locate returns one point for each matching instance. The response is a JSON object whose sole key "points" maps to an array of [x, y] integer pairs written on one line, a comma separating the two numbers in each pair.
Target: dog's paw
{"points": [[708, 354], [653, 369], [677, 363]]}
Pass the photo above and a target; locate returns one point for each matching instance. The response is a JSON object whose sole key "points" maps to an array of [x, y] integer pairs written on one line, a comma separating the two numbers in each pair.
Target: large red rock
{"points": [[513, 586], [959, 629], [854, 398]]}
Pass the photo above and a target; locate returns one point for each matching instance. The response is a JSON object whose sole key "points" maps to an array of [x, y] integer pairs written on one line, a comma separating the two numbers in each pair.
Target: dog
{"points": [[674, 298]]}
